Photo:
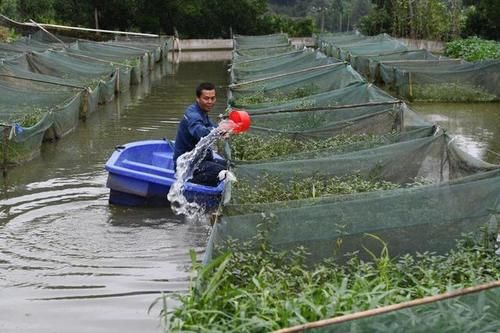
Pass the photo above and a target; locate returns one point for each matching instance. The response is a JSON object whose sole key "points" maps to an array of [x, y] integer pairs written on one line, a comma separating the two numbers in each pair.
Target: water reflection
{"points": [[475, 126]]}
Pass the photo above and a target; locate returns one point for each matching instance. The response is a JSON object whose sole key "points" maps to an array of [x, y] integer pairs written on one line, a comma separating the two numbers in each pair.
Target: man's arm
{"points": [[197, 127]]}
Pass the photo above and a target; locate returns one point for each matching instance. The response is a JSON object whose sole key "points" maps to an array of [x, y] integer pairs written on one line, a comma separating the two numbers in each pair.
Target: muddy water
{"points": [[476, 127], [70, 262]]}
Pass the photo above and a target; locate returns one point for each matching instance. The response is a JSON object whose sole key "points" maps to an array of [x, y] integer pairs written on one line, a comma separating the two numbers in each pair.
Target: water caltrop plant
{"points": [[269, 188], [248, 147], [252, 287], [451, 92], [260, 95]]}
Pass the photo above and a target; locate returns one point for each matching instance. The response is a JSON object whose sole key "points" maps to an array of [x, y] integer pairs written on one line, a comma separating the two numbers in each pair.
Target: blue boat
{"points": [[141, 173]]}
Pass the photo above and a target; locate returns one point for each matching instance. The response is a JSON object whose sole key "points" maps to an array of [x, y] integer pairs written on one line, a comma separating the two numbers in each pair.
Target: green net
{"points": [[47, 86], [367, 64], [415, 75], [245, 54], [443, 80], [322, 132], [356, 93], [252, 42], [330, 164], [282, 88], [247, 71], [346, 47]]}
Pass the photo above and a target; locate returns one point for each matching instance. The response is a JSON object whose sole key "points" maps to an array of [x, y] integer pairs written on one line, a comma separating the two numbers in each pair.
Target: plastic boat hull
{"points": [[141, 174]]}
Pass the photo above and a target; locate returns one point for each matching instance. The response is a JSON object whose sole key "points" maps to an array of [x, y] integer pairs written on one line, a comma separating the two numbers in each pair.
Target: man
{"points": [[194, 125]]}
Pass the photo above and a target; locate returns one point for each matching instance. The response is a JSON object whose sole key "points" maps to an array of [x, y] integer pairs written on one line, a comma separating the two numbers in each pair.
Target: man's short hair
{"points": [[204, 86]]}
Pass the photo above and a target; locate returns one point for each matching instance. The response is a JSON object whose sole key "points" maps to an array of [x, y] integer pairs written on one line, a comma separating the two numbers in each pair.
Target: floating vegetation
{"points": [[267, 188], [451, 92], [252, 287], [248, 147]]}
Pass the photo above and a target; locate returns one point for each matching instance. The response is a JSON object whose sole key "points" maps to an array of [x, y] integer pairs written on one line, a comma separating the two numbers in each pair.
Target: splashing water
{"points": [[187, 163]]}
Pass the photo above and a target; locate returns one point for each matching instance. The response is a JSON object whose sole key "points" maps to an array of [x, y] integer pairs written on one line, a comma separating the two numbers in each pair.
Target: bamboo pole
{"points": [[78, 28], [390, 308], [117, 32], [43, 81], [50, 34], [326, 108]]}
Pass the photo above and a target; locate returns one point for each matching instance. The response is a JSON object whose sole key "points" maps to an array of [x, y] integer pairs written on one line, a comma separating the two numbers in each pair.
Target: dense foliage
{"points": [[473, 49], [429, 19], [255, 288], [433, 19], [191, 18]]}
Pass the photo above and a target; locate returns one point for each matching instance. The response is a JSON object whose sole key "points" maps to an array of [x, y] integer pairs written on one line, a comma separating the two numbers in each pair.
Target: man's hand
{"points": [[225, 128]]}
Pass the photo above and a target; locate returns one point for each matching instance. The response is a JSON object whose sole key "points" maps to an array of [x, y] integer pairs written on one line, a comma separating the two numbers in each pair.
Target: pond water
{"points": [[475, 126], [70, 262]]}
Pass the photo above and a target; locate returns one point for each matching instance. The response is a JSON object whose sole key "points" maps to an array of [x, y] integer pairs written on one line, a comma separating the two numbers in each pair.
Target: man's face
{"points": [[206, 101]]}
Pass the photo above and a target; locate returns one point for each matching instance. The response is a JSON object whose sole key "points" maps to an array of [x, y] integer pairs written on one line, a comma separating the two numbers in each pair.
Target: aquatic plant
{"points": [[248, 147], [267, 188], [451, 92], [275, 96], [252, 287]]}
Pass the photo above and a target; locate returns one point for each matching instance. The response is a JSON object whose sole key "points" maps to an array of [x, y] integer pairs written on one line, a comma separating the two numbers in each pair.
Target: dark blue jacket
{"points": [[194, 125]]}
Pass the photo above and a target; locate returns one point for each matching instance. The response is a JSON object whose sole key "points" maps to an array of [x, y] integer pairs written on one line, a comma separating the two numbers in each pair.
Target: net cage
{"points": [[347, 161], [301, 83], [247, 71], [415, 75], [241, 42], [443, 81], [367, 64], [47, 85], [356, 93]]}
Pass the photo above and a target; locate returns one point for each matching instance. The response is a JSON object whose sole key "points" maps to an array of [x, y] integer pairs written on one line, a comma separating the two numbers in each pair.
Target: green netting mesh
{"points": [[261, 52], [249, 42], [247, 71], [314, 134], [46, 86], [472, 312], [347, 159], [446, 81], [283, 88], [357, 93], [346, 46], [415, 75], [366, 64]]}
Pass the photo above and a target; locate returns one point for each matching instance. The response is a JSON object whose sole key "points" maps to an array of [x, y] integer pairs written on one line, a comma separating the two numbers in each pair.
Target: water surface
{"points": [[70, 262], [475, 126]]}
